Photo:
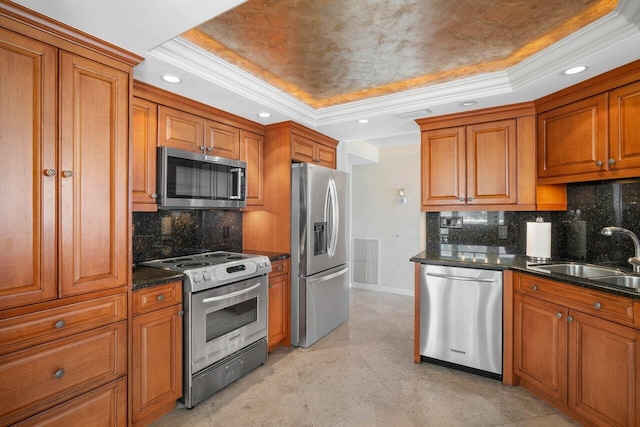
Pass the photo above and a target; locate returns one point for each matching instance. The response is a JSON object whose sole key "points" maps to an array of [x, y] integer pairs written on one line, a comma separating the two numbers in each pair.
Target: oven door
{"points": [[226, 319]]}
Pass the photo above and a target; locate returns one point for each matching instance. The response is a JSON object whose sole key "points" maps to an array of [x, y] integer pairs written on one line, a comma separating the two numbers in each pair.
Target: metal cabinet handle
{"points": [[569, 319], [209, 148], [160, 297], [559, 315], [611, 161], [599, 163], [154, 196], [50, 172], [59, 373], [469, 199], [67, 174], [60, 324], [181, 313], [461, 199], [597, 305], [534, 287]]}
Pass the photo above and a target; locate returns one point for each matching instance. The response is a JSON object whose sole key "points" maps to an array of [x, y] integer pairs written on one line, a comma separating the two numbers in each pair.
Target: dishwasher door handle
{"points": [[464, 279]]}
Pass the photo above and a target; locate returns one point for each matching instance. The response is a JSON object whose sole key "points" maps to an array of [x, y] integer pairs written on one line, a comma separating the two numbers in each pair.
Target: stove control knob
{"points": [[196, 277], [206, 276], [261, 264]]}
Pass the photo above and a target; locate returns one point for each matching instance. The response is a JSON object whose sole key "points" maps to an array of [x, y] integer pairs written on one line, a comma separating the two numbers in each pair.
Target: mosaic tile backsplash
{"points": [[166, 234], [575, 233]]}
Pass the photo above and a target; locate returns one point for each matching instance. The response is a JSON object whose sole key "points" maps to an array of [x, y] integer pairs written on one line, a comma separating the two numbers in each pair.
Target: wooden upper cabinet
{"points": [[252, 152], [94, 132], [572, 139], [306, 150], [144, 155], [624, 128], [443, 166], [222, 140], [181, 130], [28, 268], [491, 163]]}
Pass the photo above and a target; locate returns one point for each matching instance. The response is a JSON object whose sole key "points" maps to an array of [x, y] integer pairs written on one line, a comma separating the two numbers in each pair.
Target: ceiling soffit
{"points": [[330, 52]]}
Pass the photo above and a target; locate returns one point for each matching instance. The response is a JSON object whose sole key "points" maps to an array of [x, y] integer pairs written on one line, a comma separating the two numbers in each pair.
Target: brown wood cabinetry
{"points": [[181, 130], [279, 312], [144, 124], [306, 150], [589, 131], [157, 351], [580, 357], [222, 140], [484, 160], [64, 283], [252, 153]]}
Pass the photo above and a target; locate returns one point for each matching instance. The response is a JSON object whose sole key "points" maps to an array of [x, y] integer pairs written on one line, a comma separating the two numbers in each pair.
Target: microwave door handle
{"points": [[230, 295], [238, 194]]}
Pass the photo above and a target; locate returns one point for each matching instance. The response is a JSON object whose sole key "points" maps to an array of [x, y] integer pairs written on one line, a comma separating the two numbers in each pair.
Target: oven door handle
{"points": [[231, 295]]}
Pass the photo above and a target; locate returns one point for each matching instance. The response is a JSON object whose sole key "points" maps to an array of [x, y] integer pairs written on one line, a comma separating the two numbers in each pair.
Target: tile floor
{"points": [[362, 374]]}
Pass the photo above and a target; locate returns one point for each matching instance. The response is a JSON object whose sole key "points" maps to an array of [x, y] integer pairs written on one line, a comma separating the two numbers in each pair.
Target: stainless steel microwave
{"points": [[189, 180]]}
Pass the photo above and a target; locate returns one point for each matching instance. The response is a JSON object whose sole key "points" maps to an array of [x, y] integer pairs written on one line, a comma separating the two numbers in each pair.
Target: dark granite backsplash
{"points": [[166, 234], [575, 233]]}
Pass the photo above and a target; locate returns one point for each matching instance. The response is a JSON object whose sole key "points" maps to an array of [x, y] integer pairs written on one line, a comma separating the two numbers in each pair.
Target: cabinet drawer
{"points": [[35, 328], [105, 406], [600, 304], [279, 267], [156, 297], [45, 375]]}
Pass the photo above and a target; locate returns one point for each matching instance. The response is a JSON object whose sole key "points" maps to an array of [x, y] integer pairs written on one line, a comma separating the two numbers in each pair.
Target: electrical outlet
{"points": [[225, 231], [503, 232]]}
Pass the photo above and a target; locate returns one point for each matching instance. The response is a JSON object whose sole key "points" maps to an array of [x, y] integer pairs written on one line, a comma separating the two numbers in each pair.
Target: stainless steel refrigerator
{"points": [[319, 252]]}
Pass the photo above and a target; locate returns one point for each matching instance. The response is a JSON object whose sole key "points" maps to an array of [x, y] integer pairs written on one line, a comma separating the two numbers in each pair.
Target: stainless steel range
{"points": [[225, 327]]}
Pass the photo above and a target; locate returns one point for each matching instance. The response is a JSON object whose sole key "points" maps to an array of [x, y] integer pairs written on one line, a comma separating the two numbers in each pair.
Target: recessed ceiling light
{"points": [[574, 70], [363, 121], [264, 115], [468, 103], [170, 78]]}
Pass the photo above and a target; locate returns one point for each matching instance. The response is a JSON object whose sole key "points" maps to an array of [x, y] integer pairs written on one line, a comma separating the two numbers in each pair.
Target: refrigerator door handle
{"points": [[328, 276], [332, 212]]}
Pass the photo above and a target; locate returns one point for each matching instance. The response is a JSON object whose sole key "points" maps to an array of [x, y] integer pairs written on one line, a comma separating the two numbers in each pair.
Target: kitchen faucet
{"points": [[635, 261]]}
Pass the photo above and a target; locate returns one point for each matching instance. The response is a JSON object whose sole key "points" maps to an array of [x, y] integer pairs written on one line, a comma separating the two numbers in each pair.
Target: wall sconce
{"points": [[402, 198]]}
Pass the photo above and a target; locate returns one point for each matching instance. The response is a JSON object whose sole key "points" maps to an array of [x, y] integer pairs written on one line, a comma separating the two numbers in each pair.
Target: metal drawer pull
{"points": [[60, 324], [67, 174], [599, 163], [611, 161], [534, 287], [181, 313], [59, 373], [569, 319], [160, 297], [559, 315], [50, 172], [154, 196], [597, 305]]}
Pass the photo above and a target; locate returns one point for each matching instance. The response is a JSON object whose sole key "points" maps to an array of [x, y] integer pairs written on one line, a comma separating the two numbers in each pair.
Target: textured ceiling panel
{"points": [[327, 52]]}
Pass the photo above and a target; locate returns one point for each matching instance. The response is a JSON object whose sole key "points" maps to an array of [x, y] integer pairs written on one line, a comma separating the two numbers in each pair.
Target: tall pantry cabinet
{"points": [[64, 274]]}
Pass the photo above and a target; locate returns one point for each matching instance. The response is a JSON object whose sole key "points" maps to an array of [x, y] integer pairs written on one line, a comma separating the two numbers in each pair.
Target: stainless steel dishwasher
{"points": [[461, 318]]}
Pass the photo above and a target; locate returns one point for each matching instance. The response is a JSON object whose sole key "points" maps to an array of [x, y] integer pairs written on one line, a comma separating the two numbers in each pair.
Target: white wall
{"points": [[375, 213]]}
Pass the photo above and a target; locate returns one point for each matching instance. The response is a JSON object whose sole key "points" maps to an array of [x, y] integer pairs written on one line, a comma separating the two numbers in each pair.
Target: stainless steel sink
{"points": [[626, 281], [584, 271]]}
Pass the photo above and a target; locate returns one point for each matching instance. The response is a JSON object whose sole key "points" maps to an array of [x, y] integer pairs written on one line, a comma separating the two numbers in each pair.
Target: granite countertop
{"points": [[144, 277], [499, 258]]}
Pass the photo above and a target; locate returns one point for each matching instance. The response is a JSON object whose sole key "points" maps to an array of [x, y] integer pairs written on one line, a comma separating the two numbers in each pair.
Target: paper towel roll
{"points": [[539, 239]]}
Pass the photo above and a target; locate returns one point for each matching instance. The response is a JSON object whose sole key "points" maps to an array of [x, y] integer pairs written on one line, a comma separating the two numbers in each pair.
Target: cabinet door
{"points": [[94, 131], [624, 144], [325, 156], [302, 149], [443, 167], [491, 163], [252, 152], [278, 310], [604, 371], [181, 130], [157, 360], [540, 345], [572, 139], [144, 155], [27, 150], [222, 140]]}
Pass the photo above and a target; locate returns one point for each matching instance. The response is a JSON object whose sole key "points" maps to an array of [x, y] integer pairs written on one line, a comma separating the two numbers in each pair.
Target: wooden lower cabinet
{"points": [[279, 311], [584, 365], [157, 351], [105, 406]]}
